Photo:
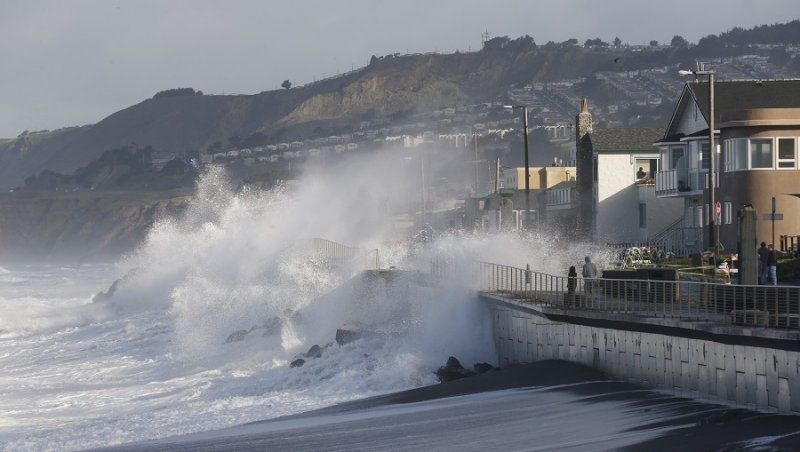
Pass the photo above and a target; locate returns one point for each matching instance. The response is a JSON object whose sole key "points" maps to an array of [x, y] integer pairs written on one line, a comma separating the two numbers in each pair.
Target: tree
{"points": [[596, 42], [653, 43], [494, 44], [679, 42], [286, 84], [617, 42]]}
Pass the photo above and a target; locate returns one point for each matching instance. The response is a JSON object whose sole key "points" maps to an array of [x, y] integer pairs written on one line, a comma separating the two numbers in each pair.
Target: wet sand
{"points": [[661, 422]]}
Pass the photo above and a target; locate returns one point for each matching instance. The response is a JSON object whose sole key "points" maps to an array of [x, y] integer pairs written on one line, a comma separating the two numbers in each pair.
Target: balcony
{"points": [[561, 198], [681, 182]]}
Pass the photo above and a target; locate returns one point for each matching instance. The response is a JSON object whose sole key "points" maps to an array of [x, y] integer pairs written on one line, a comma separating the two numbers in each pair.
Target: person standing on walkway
{"points": [[589, 273], [762, 263], [572, 282], [772, 264]]}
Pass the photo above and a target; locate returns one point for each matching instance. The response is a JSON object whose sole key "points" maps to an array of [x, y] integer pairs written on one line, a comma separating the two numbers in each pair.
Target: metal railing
{"points": [[681, 241], [682, 181], [719, 304], [790, 243]]}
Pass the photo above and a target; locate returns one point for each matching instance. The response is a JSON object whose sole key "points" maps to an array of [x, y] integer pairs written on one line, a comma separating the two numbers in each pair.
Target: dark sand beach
{"points": [[553, 405]]}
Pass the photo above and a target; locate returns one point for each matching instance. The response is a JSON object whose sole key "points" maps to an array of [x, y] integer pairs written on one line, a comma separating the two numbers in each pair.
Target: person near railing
{"points": [[572, 282], [762, 263], [589, 273], [772, 264]]}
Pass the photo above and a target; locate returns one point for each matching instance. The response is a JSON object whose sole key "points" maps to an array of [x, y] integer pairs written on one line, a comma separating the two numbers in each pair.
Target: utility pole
{"points": [[713, 226], [524, 109]]}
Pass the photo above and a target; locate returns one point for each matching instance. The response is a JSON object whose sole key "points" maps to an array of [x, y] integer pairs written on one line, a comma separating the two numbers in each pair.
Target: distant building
{"points": [[161, 158]]}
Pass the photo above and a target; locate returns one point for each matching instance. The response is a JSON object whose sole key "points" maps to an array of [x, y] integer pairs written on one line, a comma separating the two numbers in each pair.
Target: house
{"points": [[161, 158], [616, 196], [757, 129], [505, 209], [561, 207]]}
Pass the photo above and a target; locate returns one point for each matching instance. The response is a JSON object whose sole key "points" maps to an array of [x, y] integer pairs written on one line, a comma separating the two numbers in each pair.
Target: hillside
{"points": [[79, 226], [390, 88]]}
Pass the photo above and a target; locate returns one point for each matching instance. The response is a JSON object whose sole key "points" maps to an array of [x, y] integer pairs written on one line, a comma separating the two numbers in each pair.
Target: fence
{"points": [[758, 306], [790, 243], [337, 254]]}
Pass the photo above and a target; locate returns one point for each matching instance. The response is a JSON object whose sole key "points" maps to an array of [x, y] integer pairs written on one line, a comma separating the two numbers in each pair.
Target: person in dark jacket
{"points": [[762, 263], [772, 264], [572, 282]]}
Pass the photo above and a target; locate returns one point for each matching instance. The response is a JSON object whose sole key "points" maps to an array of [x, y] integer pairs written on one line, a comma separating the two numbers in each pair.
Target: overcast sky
{"points": [[65, 63]]}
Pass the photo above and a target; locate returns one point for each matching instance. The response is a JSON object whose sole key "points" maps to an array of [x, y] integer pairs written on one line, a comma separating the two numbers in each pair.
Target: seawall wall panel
{"points": [[735, 368]]}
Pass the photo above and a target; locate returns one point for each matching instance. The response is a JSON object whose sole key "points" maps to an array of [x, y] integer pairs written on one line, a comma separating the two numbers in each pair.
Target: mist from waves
{"points": [[153, 357]]}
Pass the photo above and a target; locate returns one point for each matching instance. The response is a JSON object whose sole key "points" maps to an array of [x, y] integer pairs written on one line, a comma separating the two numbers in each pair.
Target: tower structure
{"points": [[585, 171]]}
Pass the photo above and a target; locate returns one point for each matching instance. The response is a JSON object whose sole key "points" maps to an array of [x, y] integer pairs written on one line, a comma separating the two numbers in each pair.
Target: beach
{"points": [[550, 405]]}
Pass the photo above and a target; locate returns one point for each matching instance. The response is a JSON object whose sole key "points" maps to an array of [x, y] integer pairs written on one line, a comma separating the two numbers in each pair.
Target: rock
{"points": [[105, 296], [314, 352], [237, 336], [482, 368], [453, 370], [297, 363], [346, 335]]}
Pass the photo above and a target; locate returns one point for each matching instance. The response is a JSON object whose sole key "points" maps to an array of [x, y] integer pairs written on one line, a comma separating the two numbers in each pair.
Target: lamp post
{"points": [[524, 109], [713, 227]]}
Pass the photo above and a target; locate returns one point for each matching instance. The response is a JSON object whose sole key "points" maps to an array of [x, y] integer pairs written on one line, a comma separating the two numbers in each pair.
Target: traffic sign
{"points": [[718, 211]]}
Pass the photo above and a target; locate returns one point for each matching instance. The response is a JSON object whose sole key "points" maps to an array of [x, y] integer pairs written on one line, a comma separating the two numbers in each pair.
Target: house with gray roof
{"points": [[757, 130], [616, 184]]}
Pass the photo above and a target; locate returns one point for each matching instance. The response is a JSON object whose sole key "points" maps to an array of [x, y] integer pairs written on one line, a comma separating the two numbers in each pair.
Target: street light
{"points": [[524, 109], [713, 227]]}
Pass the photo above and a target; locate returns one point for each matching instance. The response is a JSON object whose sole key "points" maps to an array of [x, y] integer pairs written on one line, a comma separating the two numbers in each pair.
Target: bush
{"points": [[789, 269]]}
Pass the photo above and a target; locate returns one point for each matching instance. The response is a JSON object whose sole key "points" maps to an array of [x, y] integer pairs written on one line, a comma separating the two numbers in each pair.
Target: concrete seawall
{"points": [[749, 367]]}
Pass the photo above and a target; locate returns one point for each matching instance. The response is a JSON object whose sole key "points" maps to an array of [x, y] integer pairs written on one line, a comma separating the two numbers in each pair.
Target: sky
{"points": [[74, 62]]}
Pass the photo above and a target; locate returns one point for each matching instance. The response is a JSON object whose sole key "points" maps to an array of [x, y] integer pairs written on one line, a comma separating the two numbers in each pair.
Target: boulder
{"points": [[297, 363], [314, 352], [453, 370]]}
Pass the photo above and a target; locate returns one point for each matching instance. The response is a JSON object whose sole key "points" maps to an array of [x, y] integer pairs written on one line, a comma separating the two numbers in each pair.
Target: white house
{"points": [[616, 184]]}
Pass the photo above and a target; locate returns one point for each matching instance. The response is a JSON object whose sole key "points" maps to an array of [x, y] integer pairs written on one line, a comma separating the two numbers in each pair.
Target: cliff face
{"points": [[79, 226]]}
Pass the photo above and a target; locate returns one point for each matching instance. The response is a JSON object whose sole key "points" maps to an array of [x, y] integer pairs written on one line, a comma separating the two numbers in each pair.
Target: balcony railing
{"points": [[704, 303], [681, 182]]}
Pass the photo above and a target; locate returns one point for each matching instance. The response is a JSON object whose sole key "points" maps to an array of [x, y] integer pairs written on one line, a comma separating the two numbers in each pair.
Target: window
{"points": [[698, 217], [727, 213], [645, 168], [740, 154], [704, 156], [727, 152], [761, 153], [676, 158], [786, 153], [642, 215]]}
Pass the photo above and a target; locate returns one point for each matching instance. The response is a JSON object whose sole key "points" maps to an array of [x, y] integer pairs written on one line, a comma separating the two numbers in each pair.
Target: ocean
{"points": [[187, 343]]}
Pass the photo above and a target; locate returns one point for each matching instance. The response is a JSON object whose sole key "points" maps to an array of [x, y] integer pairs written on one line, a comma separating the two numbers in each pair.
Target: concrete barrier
{"points": [[749, 367]]}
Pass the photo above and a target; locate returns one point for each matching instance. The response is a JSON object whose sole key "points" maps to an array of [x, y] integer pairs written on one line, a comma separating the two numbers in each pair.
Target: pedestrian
{"points": [[589, 273], [572, 282], [762, 263], [772, 264]]}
